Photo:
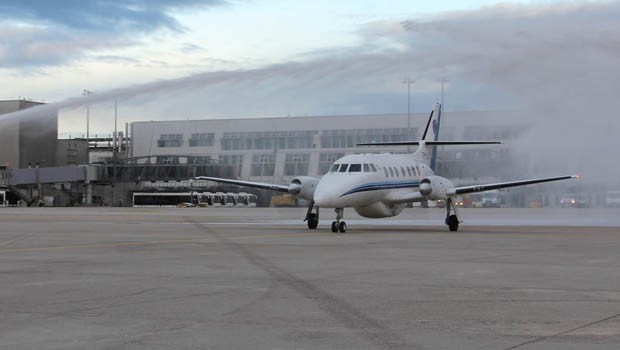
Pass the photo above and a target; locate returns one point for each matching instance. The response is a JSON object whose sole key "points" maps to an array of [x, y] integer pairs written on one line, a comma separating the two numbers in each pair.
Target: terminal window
{"points": [[170, 140], [202, 140], [296, 164], [263, 165]]}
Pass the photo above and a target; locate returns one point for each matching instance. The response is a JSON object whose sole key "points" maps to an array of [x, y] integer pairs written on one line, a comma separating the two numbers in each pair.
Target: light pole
{"points": [[408, 81], [87, 93], [115, 154]]}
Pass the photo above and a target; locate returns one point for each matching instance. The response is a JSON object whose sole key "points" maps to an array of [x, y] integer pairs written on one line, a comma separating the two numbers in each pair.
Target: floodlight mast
{"points": [[87, 93], [408, 81]]}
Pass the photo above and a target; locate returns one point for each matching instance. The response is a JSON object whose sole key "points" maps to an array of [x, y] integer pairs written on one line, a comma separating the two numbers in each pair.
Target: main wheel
{"points": [[453, 222], [313, 221], [342, 227], [334, 227]]}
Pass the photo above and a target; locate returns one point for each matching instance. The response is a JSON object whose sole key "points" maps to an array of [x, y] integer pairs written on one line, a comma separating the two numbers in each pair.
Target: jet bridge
{"points": [[26, 182]]}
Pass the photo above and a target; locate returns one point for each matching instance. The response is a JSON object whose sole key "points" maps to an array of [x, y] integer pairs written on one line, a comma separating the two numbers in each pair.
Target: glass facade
{"points": [[268, 140], [202, 140], [235, 161], [263, 165], [347, 138], [296, 164], [170, 140]]}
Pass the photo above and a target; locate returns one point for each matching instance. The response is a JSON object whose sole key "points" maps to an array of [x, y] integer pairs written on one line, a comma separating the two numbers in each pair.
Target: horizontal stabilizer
{"points": [[430, 143]]}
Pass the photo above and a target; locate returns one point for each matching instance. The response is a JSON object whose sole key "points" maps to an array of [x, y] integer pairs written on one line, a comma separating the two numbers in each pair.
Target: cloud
{"points": [[190, 48], [103, 15], [46, 33]]}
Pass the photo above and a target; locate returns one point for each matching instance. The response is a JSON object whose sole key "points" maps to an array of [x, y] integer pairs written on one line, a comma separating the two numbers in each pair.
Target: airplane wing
{"points": [[408, 196], [495, 186], [261, 185]]}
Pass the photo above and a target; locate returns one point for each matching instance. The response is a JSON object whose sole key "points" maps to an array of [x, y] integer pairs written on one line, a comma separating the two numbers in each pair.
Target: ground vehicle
{"points": [[246, 199], [491, 199], [3, 201], [285, 200], [165, 199], [227, 199], [612, 199], [571, 200]]}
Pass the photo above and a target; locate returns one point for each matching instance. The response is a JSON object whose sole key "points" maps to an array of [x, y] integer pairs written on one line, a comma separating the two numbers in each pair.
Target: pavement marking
{"points": [[2, 244], [543, 338]]}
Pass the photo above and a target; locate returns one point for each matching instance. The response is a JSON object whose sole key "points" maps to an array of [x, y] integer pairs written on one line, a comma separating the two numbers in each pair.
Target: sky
{"points": [[555, 62], [51, 53]]}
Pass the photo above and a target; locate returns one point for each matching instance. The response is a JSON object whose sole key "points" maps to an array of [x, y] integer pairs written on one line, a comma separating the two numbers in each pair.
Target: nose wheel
{"points": [[452, 216], [312, 216], [339, 226]]}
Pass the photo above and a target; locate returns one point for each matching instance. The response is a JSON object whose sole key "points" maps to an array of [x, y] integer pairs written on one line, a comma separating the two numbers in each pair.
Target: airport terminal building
{"points": [[278, 149]]}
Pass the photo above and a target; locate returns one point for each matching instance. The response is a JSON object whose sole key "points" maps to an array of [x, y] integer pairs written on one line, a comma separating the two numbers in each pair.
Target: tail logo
{"points": [[435, 126]]}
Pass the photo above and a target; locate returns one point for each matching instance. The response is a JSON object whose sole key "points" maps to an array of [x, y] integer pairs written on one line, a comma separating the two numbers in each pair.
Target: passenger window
{"points": [[343, 168], [386, 173], [372, 166], [391, 172], [366, 168], [409, 171], [402, 170], [418, 169], [355, 168]]}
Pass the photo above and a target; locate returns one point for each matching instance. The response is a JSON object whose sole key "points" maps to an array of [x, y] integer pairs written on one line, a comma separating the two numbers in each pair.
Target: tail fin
{"points": [[434, 119], [424, 154]]}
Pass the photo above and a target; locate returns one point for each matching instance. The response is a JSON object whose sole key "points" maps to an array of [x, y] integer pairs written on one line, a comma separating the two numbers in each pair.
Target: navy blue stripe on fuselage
{"points": [[383, 185]]}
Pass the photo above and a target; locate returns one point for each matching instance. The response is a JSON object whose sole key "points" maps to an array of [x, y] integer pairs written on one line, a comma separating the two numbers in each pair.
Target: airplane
{"points": [[381, 185]]}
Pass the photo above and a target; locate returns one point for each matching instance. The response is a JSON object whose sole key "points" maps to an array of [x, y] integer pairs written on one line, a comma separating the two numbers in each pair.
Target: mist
{"points": [[555, 66]]}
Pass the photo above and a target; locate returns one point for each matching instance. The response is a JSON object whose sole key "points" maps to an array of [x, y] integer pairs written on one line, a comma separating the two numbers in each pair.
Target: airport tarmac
{"points": [[254, 278]]}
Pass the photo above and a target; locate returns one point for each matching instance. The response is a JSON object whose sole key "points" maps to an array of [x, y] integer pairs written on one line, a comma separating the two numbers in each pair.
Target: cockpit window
{"points": [[372, 166], [366, 168], [355, 168], [334, 168], [343, 168]]}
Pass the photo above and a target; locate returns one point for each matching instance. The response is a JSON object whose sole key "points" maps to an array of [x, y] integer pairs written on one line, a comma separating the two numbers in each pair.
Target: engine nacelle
{"points": [[435, 187], [379, 210], [303, 187]]}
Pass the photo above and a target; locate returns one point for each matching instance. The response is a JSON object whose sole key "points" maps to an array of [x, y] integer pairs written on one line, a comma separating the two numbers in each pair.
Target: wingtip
{"points": [[576, 176]]}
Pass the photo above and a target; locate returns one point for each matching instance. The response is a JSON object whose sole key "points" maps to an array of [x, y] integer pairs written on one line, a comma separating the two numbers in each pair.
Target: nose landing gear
{"points": [[452, 216], [339, 225], [312, 218]]}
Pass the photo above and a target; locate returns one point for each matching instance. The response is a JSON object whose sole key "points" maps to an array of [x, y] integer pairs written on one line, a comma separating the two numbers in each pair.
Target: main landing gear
{"points": [[312, 218], [339, 225], [452, 215]]}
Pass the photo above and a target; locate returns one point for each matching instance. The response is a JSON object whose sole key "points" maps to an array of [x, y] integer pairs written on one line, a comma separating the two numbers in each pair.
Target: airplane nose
{"points": [[320, 199], [322, 195]]}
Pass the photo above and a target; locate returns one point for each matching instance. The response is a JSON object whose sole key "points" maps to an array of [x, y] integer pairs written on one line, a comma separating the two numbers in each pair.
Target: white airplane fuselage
{"points": [[367, 187]]}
